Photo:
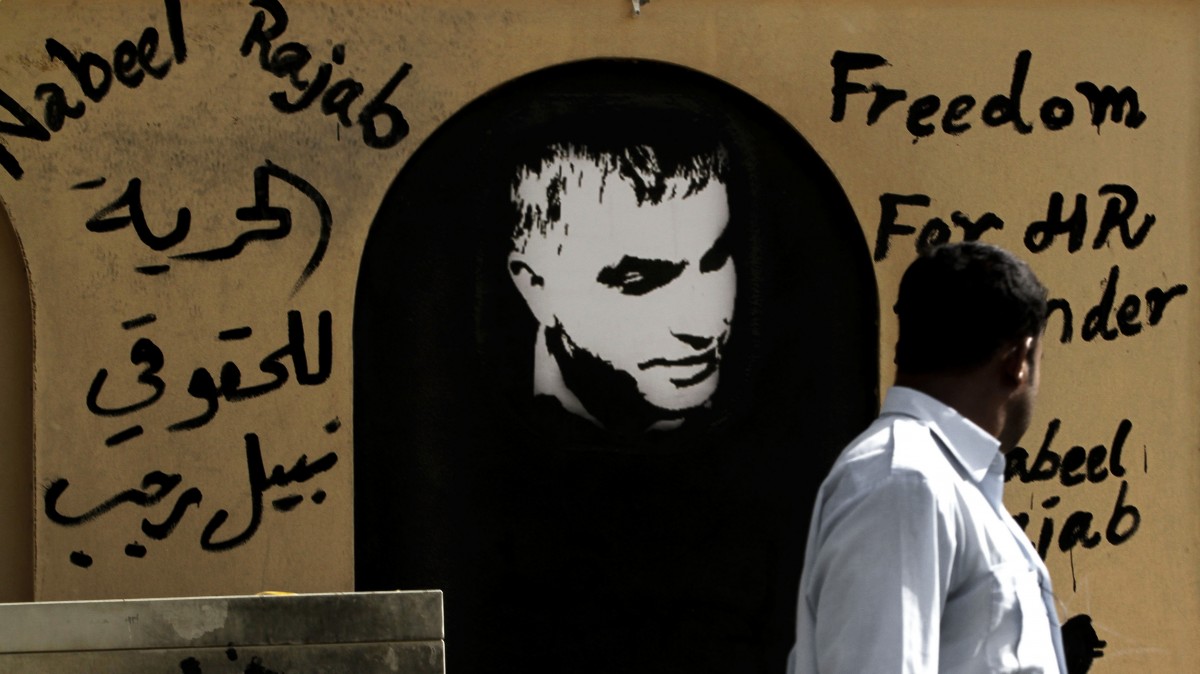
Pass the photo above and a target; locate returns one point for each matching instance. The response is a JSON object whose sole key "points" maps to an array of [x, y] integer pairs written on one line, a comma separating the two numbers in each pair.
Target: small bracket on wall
{"points": [[637, 6]]}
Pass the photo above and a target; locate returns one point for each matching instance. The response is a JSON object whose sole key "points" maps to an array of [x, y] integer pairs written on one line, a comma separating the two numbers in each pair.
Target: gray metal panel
{"points": [[218, 621], [413, 657]]}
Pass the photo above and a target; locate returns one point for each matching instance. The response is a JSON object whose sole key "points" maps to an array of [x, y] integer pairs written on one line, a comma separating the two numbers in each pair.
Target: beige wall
{"points": [[196, 136]]}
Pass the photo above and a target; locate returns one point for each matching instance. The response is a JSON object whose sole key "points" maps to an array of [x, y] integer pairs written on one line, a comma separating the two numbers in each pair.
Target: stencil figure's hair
{"points": [[654, 176], [658, 146]]}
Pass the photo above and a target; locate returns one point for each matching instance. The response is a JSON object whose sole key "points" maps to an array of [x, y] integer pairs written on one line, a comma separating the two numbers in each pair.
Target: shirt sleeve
{"points": [[879, 578]]}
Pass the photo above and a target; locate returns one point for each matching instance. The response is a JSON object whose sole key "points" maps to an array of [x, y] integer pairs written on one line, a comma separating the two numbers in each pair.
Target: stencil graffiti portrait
{"points": [[587, 313], [313, 296], [648, 327]]}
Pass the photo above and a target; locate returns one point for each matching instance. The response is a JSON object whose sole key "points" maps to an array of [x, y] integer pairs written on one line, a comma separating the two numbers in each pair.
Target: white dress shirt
{"points": [[913, 564]]}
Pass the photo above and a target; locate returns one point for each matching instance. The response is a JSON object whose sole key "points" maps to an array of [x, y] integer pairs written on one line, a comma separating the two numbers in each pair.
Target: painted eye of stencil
{"points": [[638, 276], [716, 257]]}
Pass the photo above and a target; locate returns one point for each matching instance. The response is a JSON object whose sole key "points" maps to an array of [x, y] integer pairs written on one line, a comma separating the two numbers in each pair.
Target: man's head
{"points": [[622, 256], [974, 312]]}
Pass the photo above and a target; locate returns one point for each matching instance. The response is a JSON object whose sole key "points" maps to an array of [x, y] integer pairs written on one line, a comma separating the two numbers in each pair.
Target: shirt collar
{"points": [[972, 447]]}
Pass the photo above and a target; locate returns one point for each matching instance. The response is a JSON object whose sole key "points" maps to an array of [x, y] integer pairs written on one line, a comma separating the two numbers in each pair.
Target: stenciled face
{"points": [[649, 289]]}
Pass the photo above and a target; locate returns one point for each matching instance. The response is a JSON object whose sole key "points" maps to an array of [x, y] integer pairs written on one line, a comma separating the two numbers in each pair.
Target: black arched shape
{"points": [[16, 429], [561, 547]]}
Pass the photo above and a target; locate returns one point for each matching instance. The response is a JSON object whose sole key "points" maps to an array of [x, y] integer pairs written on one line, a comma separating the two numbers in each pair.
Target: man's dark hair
{"points": [[961, 302]]}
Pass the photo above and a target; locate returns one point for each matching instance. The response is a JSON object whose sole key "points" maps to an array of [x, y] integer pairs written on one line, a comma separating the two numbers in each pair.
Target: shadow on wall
{"points": [[16, 421], [614, 321]]}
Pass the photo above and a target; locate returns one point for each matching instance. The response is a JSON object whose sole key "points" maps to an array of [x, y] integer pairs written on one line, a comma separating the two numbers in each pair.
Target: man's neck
{"points": [[962, 391]]}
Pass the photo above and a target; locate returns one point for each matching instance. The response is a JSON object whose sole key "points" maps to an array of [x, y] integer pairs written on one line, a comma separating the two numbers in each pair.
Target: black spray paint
{"points": [[1002, 109], [1120, 225], [1077, 466], [288, 60], [127, 210], [93, 76], [157, 486], [228, 386]]}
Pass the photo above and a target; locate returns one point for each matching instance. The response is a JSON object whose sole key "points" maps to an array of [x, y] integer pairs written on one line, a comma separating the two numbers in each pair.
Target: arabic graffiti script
{"points": [[218, 534]]}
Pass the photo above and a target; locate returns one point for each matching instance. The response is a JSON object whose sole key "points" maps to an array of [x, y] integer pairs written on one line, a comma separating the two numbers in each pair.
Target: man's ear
{"points": [[1016, 362], [531, 286]]}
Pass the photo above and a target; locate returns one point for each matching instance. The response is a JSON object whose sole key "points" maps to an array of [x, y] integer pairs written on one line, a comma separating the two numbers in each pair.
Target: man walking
{"points": [[913, 564]]}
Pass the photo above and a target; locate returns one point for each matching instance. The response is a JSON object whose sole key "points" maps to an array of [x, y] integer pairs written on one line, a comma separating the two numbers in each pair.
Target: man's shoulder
{"points": [[893, 448]]}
